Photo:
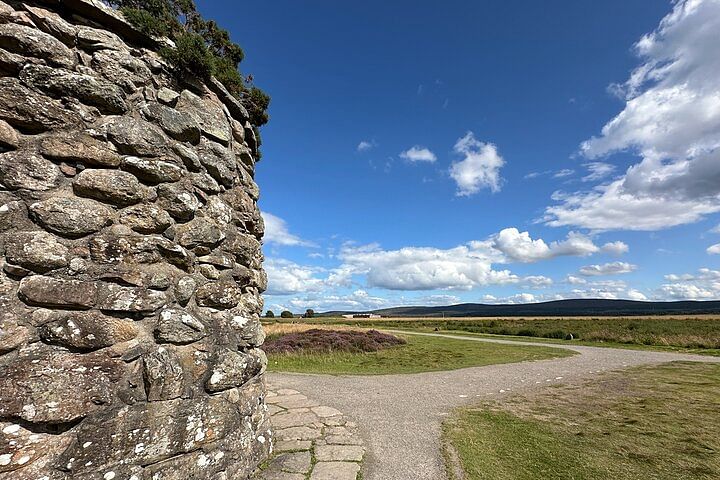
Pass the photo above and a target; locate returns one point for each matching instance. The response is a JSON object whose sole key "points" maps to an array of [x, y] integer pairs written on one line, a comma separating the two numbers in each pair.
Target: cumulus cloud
{"points": [[705, 285], [672, 120], [286, 277], [424, 268], [613, 268], [357, 300], [714, 249], [575, 280], [277, 232], [615, 248], [479, 168], [519, 246], [537, 281], [418, 154], [637, 295]]}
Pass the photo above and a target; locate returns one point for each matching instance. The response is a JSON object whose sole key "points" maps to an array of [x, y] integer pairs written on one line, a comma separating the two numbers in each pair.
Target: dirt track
{"points": [[400, 416]]}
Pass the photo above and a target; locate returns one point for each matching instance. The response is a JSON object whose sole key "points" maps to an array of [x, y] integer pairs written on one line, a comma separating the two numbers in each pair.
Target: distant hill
{"points": [[579, 307]]}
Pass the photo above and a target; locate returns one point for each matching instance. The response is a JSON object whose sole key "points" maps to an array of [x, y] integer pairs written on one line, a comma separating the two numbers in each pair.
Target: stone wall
{"points": [[130, 257]]}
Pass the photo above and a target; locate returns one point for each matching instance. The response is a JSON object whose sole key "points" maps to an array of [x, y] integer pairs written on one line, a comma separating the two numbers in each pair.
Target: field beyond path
{"points": [[400, 416]]}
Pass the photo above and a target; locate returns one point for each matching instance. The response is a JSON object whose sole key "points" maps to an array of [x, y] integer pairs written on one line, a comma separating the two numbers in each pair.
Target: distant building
{"points": [[362, 315]]}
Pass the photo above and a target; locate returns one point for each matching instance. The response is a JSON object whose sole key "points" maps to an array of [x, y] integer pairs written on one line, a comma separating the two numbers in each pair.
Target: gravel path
{"points": [[400, 416]]}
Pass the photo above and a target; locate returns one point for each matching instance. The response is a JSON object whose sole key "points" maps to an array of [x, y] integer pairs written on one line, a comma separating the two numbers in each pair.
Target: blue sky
{"points": [[510, 151]]}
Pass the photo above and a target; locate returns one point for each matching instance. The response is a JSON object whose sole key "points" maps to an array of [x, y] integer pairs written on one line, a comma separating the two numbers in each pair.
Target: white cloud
{"points": [[286, 277], [518, 298], [714, 249], [597, 171], [565, 172], [613, 268], [276, 231], [672, 120], [357, 300], [615, 248], [366, 145], [537, 281], [519, 246], [637, 295], [611, 207], [480, 167], [424, 268], [574, 280], [705, 285], [418, 154]]}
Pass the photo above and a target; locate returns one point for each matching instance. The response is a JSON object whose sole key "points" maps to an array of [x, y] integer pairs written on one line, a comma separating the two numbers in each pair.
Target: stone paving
{"points": [[312, 441]]}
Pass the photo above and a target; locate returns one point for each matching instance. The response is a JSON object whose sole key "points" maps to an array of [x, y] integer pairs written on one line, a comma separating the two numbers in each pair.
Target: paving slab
{"points": [[335, 471], [305, 430]]}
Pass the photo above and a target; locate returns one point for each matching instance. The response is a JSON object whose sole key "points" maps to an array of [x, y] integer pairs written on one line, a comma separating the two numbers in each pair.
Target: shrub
{"points": [[325, 341], [309, 313], [286, 314], [269, 314], [201, 46]]}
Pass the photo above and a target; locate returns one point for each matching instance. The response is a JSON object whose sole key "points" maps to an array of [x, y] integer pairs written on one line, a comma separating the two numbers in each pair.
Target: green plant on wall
{"points": [[201, 46]]}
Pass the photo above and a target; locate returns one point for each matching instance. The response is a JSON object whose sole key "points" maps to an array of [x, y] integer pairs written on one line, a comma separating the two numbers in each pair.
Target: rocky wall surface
{"points": [[130, 257]]}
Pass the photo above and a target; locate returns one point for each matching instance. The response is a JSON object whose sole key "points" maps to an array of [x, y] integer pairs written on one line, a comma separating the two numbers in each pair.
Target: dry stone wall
{"points": [[130, 257]]}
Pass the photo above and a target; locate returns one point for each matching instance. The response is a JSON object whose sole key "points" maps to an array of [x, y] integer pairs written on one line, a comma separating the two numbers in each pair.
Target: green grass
{"points": [[700, 333], [420, 354], [659, 422]]}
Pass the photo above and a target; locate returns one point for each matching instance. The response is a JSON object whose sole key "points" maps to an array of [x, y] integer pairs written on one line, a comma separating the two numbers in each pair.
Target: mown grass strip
{"points": [[658, 422]]}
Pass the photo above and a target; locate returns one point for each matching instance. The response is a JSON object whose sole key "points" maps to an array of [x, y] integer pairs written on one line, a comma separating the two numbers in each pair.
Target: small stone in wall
{"points": [[120, 66], [153, 170], [79, 147], [178, 200], [136, 137], [233, 369], [176, 325], [9, 138], [184, 289], [30, 111], [71, 216], [163, 375], [110, 186], [23, 169], [53, 24], [56, 292], [146, 218], [35, 43], [178, 125], [90, 38], [221, 294], [116, 298], [167, 96], [199, 232], [106, 96], [208, 113], [246, 249], [37, 251], [219, 162], [86, 330]]}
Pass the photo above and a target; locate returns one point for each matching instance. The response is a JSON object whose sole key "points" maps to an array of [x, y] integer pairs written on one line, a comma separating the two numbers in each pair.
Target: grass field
{"points": [[701, 332], [420, 354], [659, 422]]}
